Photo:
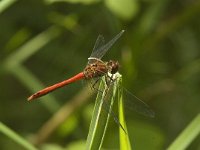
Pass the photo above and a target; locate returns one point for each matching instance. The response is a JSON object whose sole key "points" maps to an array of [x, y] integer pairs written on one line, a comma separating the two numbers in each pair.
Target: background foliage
{"points": [[43, 42]]}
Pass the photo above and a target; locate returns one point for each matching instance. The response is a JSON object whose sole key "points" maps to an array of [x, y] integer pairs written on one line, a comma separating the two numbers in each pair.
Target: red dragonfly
{"points": [[95, 67]]}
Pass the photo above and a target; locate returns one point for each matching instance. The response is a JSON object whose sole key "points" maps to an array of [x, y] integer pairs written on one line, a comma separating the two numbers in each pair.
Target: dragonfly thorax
{"points": [[99, 68], [95, 69]]}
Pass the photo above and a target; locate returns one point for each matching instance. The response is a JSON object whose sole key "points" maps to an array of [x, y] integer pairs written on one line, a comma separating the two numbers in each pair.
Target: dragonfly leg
{"points": [[109, 79], [110, 111], [93, 85]]}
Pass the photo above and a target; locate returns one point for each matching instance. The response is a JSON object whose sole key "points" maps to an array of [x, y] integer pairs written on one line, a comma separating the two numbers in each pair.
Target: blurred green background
{"points": [[43, 42]]}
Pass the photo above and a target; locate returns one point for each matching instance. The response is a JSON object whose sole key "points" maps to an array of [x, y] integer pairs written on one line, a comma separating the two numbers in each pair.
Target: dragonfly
{"points": [[96, 68]]}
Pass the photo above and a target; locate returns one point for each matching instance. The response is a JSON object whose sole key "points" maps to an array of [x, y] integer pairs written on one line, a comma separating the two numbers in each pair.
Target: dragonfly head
{"points": [[114, 66]]}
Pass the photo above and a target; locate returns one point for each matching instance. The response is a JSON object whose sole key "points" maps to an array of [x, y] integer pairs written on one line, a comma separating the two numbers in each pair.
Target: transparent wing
{"points": [[99, 50], [134, 103], [99, 43]]}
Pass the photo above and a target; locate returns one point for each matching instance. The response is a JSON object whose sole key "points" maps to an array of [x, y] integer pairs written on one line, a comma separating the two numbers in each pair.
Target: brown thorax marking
{"points": [[95, 69], [99, 68]]}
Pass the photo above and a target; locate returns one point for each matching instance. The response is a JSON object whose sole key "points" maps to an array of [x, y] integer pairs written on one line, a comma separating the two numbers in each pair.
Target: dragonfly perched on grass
{"points": [[96, 69]]}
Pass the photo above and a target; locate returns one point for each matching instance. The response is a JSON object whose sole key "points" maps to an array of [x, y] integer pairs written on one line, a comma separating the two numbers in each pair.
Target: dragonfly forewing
{"points": [[100, 50]]}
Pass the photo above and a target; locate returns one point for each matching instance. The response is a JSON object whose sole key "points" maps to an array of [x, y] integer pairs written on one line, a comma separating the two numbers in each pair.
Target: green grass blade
{"points": [[32, 83], [31, 47], [100, 117], [15, 137], [13, 63], [6, 4], [123, 137], [187, 136]]}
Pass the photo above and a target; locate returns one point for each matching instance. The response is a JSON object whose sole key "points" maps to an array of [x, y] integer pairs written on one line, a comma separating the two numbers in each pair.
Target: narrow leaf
{"points": [[187, 136], [100, 117], [123, 135], [15, 137]]}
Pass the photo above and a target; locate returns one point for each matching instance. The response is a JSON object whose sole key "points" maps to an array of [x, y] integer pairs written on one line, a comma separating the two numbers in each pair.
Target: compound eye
{"points": [[114, 70], [115, 67]]}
